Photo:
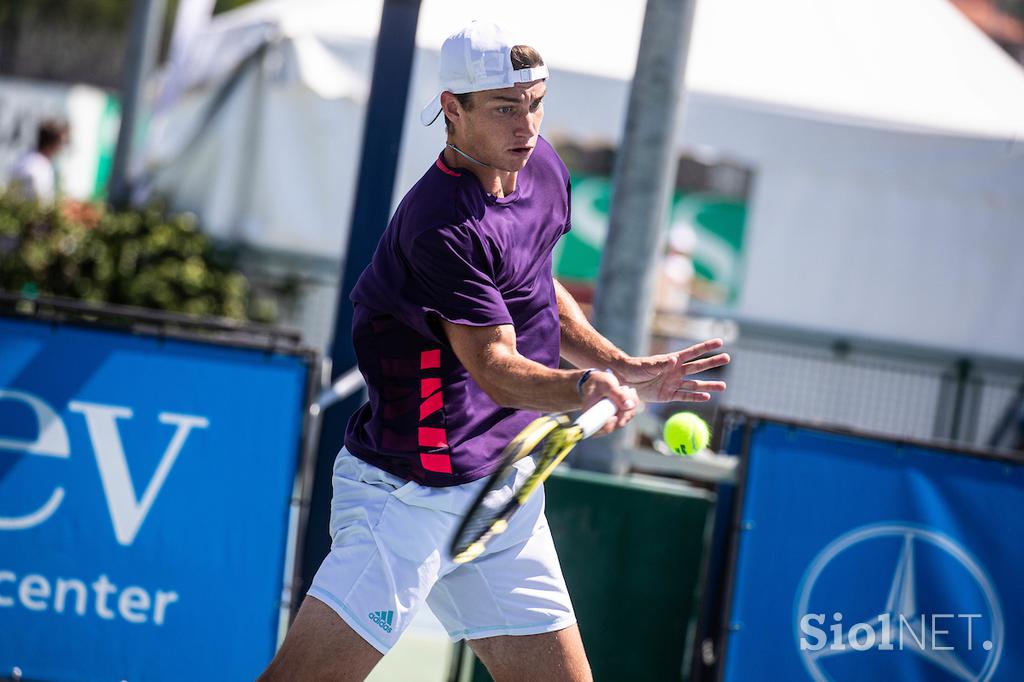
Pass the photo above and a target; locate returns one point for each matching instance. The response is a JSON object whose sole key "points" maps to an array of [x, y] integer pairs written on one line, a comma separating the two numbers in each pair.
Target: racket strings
{"points": [[487, 516], [550, 438], [556, 447]]}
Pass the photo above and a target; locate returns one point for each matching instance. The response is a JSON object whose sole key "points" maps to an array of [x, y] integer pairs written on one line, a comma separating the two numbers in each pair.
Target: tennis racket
{"points": [[550, 438]]}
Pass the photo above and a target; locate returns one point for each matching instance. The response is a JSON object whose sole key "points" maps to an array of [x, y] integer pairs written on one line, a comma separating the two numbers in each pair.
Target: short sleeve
{"points": [[452, 276]]}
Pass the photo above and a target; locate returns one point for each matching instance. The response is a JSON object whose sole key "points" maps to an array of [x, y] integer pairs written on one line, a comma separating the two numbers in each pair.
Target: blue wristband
{"points": [[583, 380]]}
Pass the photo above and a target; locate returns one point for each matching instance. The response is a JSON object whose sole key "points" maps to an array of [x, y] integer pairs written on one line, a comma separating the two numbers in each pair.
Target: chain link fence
{"points": [[891, 389]]}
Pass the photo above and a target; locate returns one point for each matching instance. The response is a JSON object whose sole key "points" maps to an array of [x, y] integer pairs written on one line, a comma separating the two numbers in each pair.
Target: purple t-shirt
{"points": [[454, 252]]}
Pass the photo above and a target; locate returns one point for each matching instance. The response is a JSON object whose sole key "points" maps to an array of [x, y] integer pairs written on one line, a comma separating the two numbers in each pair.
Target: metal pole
{"points": [[963, 373], [140, 57], [643, 180], [382, 139]]}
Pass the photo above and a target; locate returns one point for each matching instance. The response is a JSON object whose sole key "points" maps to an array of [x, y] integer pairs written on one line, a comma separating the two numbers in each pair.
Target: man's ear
{"points": [[450, 106]]}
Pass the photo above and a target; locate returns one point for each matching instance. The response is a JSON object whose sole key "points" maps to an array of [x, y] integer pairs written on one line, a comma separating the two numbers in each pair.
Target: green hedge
{"points": [[142, 258]]}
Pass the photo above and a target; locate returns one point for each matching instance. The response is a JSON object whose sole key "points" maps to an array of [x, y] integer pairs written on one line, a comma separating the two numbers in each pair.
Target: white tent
{"points": [[887, 141], [264, 134]]}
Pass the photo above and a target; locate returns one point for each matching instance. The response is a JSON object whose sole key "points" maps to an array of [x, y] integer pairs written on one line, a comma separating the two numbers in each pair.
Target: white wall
{"points": [[898, 235]]}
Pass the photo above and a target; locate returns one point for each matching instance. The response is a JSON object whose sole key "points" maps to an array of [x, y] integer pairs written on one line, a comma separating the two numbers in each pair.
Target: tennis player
{"points": [[458, 329]]}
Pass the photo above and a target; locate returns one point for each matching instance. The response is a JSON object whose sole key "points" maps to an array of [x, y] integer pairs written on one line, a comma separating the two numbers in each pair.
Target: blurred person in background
{"points": [[34, 174], [675, 280]]}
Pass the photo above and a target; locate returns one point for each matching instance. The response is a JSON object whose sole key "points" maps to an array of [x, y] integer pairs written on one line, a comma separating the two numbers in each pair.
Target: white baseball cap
{"points": [[479, 57]]}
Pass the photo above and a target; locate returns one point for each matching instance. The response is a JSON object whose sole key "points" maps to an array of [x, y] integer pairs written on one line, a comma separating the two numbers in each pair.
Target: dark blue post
{"points": [[382, 139]]}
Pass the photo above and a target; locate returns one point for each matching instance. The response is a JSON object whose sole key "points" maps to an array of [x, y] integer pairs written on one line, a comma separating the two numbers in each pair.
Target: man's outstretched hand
{"points": [[665, 378]]}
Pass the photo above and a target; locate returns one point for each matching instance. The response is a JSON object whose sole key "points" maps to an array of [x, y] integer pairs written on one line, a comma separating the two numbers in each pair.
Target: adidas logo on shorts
{"points": [[383, 619]]}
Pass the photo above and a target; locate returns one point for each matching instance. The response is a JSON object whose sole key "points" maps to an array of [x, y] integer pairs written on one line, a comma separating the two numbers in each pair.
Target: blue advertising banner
{"points": [[145, 486], [860, 559]]}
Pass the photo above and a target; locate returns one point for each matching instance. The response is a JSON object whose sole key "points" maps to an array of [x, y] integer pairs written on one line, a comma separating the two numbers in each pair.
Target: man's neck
{"points": [[497, 182]]}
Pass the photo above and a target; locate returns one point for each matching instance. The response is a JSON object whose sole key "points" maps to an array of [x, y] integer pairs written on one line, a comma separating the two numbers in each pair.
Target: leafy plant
{"points": [[142, 258]]}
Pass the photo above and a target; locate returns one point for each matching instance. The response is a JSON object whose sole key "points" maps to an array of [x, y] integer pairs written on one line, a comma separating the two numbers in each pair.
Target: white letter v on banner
{"points": [[126, 510]]}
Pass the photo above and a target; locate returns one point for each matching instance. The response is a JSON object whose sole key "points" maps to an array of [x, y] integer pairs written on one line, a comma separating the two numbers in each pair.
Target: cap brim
{"points": [[431, 111]]}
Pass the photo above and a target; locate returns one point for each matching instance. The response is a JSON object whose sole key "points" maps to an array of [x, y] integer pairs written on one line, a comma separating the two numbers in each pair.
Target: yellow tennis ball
{"points": [[686, 433]]}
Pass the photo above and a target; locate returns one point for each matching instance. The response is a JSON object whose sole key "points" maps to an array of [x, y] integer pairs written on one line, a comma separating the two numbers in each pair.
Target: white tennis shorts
{"points": [[389, 554]]}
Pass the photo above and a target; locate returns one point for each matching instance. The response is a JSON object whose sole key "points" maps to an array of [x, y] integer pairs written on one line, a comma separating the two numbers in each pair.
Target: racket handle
{"points": [[593, 419]]}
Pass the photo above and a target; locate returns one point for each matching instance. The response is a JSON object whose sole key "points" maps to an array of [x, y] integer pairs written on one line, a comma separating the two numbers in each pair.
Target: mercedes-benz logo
{"points": [[900, 606]]}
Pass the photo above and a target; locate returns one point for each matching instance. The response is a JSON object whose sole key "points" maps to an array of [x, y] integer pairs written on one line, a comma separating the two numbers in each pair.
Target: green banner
{"points": [[110, 122], [717, 223]]}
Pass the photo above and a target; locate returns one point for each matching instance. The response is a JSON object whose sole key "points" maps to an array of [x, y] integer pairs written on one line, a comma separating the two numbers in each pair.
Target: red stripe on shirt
{"points": [[430, 359], [430, 437], [434, 462], [429, 385], [431, 405]]}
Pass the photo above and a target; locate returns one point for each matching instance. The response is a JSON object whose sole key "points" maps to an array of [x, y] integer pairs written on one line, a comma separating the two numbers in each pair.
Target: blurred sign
{"points": [[710, 225], [92, 116], [869, 560], [145, 486]]}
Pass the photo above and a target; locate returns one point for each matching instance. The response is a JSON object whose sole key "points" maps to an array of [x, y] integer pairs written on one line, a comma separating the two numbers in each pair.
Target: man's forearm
{"points": [[508, 378], [515, 381], [582, 345]]}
